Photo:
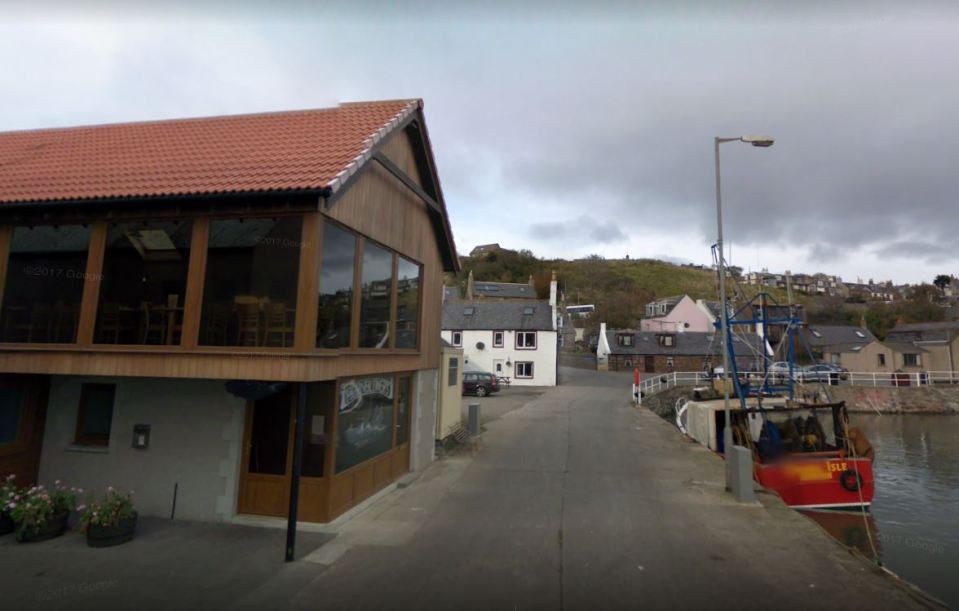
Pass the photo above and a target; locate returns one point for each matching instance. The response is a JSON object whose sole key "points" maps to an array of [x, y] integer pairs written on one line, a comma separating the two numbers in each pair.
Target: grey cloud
{"points": [[582, 231]]}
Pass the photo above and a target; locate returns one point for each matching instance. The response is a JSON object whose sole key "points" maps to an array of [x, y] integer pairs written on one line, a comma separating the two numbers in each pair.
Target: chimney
{"points": [[469, 287], [552, 298]]}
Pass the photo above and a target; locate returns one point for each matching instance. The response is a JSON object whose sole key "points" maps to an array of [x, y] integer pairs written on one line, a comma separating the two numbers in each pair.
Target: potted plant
{"points": [[8, 495], [111, 521], [40, 514]]}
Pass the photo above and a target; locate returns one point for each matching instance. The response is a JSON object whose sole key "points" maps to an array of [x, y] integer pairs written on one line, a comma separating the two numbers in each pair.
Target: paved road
{"points": [[579, 501]]}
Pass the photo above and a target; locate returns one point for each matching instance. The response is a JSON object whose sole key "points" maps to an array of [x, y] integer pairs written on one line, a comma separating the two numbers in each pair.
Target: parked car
{"points": [[779, 372], [826, 373], [479, 383]]}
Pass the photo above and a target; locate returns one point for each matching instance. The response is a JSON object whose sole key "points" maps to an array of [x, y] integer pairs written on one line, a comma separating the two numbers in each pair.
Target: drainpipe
{"points": [[297, 467]]}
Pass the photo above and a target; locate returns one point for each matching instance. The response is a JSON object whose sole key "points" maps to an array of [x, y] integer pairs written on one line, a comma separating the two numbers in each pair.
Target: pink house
{"points": [[677, 314]]}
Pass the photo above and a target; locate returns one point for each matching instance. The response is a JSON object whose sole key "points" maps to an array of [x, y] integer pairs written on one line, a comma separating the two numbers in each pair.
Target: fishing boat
{"points": [[803, 446]]}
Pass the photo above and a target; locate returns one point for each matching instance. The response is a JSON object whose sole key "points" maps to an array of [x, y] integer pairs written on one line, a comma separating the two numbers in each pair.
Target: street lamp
{"points": [[763, 142]]}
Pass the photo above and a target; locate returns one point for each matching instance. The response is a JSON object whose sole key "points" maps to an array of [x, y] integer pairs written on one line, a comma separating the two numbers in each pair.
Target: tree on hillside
{"points": [[942, 281]]}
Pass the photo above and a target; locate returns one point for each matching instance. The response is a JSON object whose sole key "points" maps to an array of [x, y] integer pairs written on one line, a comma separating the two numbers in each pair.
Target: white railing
{"points": [[652, 383]]}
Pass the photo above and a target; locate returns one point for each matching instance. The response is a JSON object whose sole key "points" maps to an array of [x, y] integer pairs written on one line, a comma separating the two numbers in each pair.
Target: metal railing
{"points": [[652, 383]]}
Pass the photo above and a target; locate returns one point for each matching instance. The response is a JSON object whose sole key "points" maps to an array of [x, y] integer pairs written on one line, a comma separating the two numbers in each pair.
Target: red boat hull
{"points": [[819, 482]]}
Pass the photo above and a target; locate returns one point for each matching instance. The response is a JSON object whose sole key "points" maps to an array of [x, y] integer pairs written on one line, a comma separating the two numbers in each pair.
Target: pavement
{"points": [[577, 500], [573, 500]]}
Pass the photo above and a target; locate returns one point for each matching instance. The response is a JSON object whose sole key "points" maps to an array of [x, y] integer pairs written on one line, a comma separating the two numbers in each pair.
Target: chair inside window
{"points": [[38, 326], [248, 323], [154, 324], [216, 323], [109, 326], [279, 324]]}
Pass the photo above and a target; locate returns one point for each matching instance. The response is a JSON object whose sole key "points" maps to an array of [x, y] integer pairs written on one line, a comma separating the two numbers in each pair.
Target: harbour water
{"points": [[915, 512]]}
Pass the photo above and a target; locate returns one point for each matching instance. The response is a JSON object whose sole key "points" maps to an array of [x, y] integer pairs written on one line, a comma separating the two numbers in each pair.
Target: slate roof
{"points": [[504, 290], [923, 332], [499, 315], [690, 343], [839, 335], [278, 151]]}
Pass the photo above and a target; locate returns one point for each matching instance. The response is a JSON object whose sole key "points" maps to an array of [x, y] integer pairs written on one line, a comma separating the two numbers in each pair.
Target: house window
{"points": [[10, 415], [376, 296], [666, 340], [454, 369], [526, 340], [95, 415], [524, 370], [143, 283], [335, 306], [44, 284], [245, 301], [407, 303], [910, 360], [528, 311], [497, 339], [669, 362], [625, 340], [457, 337], [882, 359]]}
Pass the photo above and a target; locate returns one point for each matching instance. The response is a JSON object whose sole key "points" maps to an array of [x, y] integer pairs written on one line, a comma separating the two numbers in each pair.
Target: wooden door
{"points": [[267, 456], [267, 467], [23, 407], [649, 364], [402, 432]]}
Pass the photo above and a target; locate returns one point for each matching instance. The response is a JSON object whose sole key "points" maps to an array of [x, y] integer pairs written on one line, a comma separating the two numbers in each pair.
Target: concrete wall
{"points": [[196, 437], [543, 358], [448, 411], [422, 446]]}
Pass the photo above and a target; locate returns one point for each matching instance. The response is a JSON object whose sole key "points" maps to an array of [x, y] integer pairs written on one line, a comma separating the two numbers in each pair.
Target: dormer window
{"points": [[528, 311], [624, 340], [861, 334], [667, 341], [817, 333], [469, 311]]}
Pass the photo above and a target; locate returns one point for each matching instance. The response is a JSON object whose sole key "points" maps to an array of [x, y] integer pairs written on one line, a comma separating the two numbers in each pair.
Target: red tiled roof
{"points": [[298, 150]]}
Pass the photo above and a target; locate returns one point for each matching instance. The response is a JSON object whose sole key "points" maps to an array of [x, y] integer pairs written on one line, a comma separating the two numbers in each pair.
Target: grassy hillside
{"points": [[619, 288]]}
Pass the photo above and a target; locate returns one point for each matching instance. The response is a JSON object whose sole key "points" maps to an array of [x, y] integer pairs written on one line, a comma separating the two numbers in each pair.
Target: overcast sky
{"points": [[572, 131]]}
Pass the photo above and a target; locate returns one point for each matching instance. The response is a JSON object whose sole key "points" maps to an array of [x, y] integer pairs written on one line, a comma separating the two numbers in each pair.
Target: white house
{"points": [[513, 339]]}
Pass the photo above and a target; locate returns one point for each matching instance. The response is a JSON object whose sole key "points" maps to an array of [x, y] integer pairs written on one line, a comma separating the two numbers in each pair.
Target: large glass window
{"points": [[144, 279], [249, 297], [336, 288], [376, 297], [44, 285], [407, 303], [365, 421]]}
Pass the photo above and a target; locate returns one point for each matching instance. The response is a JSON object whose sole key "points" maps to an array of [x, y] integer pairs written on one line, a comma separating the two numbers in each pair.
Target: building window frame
{"points": [[81, 437], [522, 340], [456, 338], [881, 359], [911, 359], [524, 370], [498, 339]]}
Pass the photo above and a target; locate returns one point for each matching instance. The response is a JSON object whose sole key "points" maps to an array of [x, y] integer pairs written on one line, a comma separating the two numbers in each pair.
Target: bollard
{"points": [[740, 470], [474, 419]]}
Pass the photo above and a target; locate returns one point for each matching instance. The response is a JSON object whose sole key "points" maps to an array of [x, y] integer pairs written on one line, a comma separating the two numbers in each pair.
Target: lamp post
{"points": [[760, 141]]}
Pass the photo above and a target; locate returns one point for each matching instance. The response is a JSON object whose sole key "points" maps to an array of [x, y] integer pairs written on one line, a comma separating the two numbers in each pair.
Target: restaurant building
{"points": [[206, 310]]}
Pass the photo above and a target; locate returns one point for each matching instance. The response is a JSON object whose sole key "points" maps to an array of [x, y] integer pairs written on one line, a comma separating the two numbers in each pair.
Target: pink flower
{"points": [[12, 505], [56, 483], [81, 507], [109, 488]]}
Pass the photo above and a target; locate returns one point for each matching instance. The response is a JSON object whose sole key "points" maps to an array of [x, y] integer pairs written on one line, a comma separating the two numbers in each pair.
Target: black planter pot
{"points": [[6, 524], [56, 525], [108, 536]]}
